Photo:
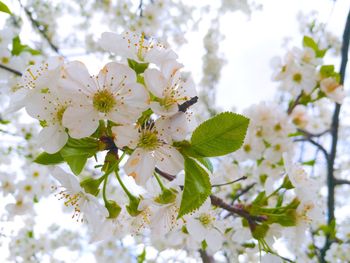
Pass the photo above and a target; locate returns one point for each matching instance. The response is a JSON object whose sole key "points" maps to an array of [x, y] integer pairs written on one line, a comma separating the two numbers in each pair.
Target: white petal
{"points": [[140, 166], [52, 138], [155, 82], [196, 229], [67, 180], [117, 44], [132, 100], [77, 78], [214, 239], [126, 135], [115, 76], [162, 111], [81, 121], [169, 67], [168, 159]]}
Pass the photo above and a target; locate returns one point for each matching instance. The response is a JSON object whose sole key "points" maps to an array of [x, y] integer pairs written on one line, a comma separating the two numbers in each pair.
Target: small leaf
{"points": [[207, 163], [49, 159], [309, 42], [197, 187], [4, 8], [220, 135], [310, 163], [137, 67], [142, 257], [18, 48], [75, 159]]}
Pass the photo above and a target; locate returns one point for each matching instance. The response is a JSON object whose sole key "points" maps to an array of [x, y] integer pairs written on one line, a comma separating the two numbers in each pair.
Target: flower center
{"points": [[104, 101], [206, 219], [59, 113], [297, 77], [148, 140]]}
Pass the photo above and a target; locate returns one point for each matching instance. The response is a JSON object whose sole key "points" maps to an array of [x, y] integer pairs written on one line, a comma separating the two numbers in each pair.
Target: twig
{"points": [[206, 258], [319, 146], [310, 135], [40, 28], [296, 102], [184, 106], [243, 191], [232, 182], [11, 70]]}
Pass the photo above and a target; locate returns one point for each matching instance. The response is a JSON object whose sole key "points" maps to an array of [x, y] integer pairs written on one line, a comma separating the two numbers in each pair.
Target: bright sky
{"points": [[251, 43]]}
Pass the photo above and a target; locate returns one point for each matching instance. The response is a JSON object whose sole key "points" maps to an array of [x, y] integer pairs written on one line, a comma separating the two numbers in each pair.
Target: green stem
{"points": [[130, 195], [160, 182], [104, 189]]}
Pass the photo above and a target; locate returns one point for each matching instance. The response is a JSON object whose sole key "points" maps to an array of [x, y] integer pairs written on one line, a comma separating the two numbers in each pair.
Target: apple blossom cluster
{"points": [[303, 75]]}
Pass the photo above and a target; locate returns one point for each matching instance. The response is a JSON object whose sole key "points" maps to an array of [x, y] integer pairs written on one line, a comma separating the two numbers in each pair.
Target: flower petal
{"points": [[155, 82], [168, 159], [52, 138], [140, 166], [81, 121]]}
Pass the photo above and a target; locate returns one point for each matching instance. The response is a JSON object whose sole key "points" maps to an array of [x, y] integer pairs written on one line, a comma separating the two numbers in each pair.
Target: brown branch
{"points": [[319, 146], [296, 102], [310, 135], [206, 258]]}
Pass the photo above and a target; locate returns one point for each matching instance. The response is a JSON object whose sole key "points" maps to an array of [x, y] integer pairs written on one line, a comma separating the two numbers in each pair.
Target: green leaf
{"points": [[310, 163], [309, 42], [207, 163], [142, 257], [18, 48], [137, 67], [4, 8], [197, 187], [49, 159], [76, 152], [220, 135], [75, 159], [327, 71]]}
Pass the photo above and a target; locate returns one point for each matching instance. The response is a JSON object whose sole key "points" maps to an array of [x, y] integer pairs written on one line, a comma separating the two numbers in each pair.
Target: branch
{"points": [[341, 181], [296, 102], [331, 181], [310, 135], [11, 70], [319, 146], [206, 258]]}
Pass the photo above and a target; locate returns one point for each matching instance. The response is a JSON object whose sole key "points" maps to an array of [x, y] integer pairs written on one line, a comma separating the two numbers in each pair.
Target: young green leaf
{"points": [[137, 67], [18, 47], [4, 8], [197, 187], [49, 159], [220, 135]]}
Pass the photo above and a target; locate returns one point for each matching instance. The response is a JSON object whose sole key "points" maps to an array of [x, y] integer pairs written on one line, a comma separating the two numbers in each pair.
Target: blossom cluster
{"points": [[302, 73]]}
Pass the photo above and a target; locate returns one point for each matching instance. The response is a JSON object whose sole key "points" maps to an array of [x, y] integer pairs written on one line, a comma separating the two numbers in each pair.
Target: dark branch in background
{"points": [[232, 182], [205, 257], [184, 106], [311, 135], [331, 181], [141, 8], [295, 103], [40, 28], [11, 70], [243, 191], [319, 146], [342, 181]]}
